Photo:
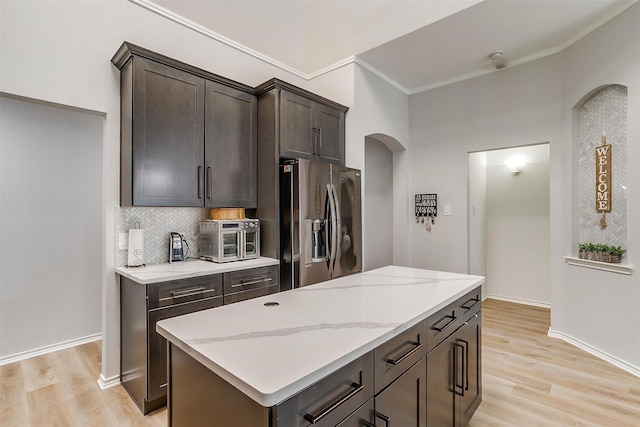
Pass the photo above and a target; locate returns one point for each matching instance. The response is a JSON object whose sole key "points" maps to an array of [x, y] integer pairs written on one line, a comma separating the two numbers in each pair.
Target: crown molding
{"points": [[216, 36]]}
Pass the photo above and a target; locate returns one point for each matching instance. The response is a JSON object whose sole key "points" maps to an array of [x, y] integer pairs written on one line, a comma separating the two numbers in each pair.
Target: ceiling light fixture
{"points": [[515, 165], [498, 59]]}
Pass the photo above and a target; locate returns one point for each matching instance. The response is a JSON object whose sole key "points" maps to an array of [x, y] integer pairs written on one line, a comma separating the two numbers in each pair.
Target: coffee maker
{"points": [[176, 247]]}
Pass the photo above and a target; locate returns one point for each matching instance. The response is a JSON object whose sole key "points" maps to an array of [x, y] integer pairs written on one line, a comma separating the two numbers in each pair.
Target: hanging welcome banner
{"points": [[603, 177]]}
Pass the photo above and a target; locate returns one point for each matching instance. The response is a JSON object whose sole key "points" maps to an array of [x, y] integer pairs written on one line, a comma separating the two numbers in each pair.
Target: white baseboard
{"points": [[105, 383], [519, 301], [48, 349], [634, 370]]}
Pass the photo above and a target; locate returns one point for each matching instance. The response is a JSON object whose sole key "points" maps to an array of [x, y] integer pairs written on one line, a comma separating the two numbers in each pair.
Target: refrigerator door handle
{"points": [[337, 233], [333, 221]]}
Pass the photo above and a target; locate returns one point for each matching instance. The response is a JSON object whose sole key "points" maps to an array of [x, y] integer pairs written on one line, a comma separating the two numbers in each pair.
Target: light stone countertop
{"points": [[155, 273], [271, 353]]}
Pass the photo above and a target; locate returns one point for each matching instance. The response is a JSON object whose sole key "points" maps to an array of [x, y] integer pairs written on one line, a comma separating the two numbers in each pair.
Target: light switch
{"points": [[446, 210], [123, 241]]}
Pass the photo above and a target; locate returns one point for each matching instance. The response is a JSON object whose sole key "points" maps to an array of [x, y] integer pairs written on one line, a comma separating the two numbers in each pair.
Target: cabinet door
{"points": [[157, 344], [297, 126], [167, 135], [363, 417], [404, 402], [441, 401], [231, 147], [469, 336], [330, 134]]}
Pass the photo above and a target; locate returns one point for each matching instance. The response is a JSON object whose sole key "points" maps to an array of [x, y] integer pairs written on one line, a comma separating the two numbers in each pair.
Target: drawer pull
{"points": [[187, 292], [399, 360], [474, 301], [440, 329], [314, 419], [252, 282]]}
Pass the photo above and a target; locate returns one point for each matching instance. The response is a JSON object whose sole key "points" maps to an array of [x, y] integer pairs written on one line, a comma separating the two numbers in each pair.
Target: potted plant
{"points": [[615, 254]]}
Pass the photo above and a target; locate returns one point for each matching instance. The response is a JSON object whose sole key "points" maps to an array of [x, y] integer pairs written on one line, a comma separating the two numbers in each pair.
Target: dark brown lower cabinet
{"points": [[454, 386], [404, 402], [397, 384]]}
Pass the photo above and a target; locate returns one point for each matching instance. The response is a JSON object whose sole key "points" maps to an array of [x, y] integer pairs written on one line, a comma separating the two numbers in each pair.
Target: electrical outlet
{"points": [[123, 241]]}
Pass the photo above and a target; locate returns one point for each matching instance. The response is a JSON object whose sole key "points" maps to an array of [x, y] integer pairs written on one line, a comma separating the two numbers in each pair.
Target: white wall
{"points": [[527, 104], [51, 226], [381, 108], [378, 200], [512, 107], [517, 233], [61, 51], [478, 214], [591, 307]]}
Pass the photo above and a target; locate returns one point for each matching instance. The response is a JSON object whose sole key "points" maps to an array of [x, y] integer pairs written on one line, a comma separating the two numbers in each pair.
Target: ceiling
{"points": [[414, 44]]}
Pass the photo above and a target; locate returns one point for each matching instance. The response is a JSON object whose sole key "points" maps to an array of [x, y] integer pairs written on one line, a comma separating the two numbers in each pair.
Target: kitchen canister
{"points": [[136, 247]]}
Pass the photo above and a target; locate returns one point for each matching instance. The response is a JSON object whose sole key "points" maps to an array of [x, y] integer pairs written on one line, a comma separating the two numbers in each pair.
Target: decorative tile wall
{"points": [[157, 224], [605, 112]]}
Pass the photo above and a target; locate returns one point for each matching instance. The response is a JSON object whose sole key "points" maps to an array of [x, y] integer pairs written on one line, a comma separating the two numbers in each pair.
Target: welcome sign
{"points": [[603, 177]]}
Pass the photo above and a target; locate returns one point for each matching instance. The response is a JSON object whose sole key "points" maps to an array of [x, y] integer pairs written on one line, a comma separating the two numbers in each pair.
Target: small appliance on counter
{"points": [[176, 247], [223, 240]]}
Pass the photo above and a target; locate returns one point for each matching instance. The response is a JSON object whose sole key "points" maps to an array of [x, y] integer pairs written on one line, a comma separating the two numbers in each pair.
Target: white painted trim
{"points": [[149, 5], [105, 383], [634, 370], [597, 265], [48, 349], [383, 76], [216, 36], [519, 301]]}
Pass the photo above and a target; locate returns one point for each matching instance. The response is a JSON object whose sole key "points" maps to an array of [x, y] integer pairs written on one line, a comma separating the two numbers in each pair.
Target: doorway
{"points": [[509, 223]]}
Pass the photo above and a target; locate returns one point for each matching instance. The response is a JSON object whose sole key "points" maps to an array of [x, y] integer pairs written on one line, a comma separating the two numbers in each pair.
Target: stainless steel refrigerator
{"points": [[320, 222]]}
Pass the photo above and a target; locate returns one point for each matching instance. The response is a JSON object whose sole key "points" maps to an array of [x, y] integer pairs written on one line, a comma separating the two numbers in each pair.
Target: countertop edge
{"points": [[278, 396], [156, 273]]}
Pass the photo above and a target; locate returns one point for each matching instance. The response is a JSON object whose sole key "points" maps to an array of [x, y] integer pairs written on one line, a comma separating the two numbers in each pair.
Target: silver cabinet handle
{"points": [[474, 301], [457, 386], [199, 180], [188, 292], [440, 329], [315, 419], [383, 417], [417, 346], [253, 282], [209, 182]]}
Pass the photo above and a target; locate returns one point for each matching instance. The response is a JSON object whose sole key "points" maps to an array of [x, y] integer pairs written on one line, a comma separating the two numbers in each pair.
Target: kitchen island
{"points": [[271, 360]]}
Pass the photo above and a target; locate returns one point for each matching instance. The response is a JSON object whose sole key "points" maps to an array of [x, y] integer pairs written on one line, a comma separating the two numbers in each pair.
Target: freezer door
{"points": [[347, 192]]}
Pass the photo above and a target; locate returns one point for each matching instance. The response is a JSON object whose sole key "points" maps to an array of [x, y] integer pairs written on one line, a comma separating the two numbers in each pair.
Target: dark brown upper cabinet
{"points": [[304, 125], [188, 137]]}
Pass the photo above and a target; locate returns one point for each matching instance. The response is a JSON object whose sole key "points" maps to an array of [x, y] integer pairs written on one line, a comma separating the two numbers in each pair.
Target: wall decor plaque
{"points": [[603, 177]]}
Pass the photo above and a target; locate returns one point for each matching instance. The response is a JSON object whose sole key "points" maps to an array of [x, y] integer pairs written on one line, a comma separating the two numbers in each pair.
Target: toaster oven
{"points": [[224, 240]]}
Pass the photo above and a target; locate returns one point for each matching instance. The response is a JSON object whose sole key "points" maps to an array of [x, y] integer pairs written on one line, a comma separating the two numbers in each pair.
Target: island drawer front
{"points": [[165, 294], [442, 324], [253, 293], [244, 280], [470, 304], [398, 354], [332, 399]]}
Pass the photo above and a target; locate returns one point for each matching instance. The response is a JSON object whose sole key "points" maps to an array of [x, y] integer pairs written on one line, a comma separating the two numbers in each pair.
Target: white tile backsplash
{"points": [[157, 224]]}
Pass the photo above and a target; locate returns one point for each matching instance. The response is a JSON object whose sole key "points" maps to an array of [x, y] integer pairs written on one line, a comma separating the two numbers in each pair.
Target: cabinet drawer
{"points": [[252, 293], [184, 290], [470, 304], [398, 354], [332, 399], [442, 323], [246, 280]]}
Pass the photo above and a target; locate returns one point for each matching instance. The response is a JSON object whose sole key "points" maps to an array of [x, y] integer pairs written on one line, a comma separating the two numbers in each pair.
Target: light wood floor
{"points": [[529, 379]]}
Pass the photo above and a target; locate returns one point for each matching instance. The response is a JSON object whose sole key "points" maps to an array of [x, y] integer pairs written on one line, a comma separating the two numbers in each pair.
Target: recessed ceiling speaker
{"points": [[498, 59]]}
